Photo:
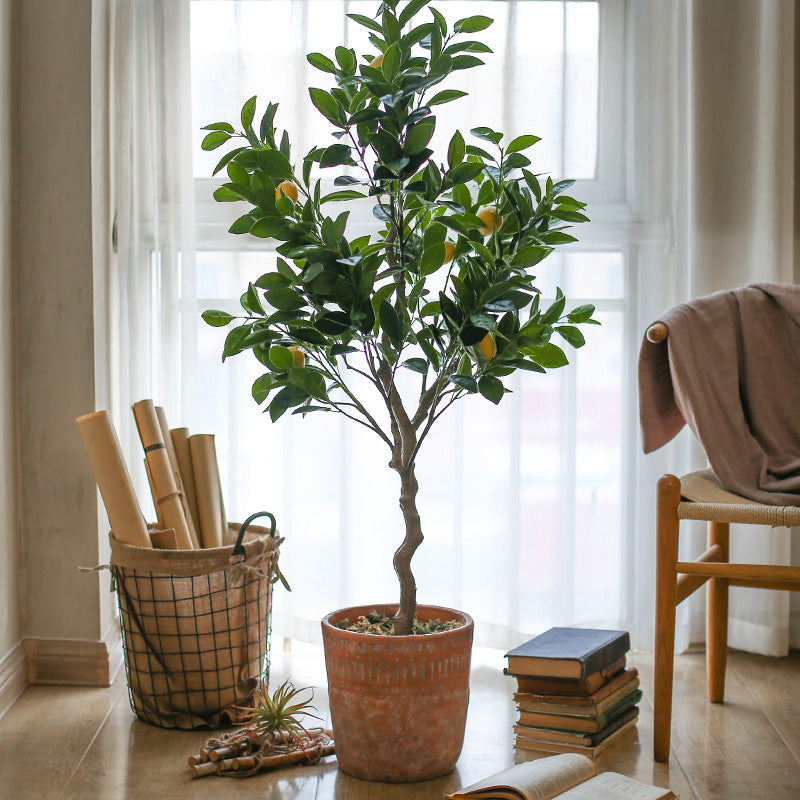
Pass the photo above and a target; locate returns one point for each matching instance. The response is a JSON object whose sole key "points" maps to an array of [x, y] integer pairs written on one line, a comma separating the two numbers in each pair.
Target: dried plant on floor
{"points": [[272, 735]]}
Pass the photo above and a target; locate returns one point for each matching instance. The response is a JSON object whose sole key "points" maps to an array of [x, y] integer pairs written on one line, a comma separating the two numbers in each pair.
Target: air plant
{"points": [[276, 719]]}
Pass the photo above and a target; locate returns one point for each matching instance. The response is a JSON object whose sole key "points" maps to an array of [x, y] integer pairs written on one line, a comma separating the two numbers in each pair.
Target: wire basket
{"points": [[196, 626]]}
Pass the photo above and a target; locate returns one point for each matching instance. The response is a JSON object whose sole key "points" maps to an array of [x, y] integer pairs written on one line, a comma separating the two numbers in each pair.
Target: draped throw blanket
{"points": [[730, 369]]}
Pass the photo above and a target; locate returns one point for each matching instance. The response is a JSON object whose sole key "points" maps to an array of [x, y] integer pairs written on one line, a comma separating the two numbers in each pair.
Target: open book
{"points": [[568, 776]]}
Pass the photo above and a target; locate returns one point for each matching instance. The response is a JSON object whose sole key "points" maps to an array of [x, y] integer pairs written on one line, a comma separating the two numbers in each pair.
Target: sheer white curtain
{"points": [[152, 206], [540, 511], [741, 222], [725, 94]]}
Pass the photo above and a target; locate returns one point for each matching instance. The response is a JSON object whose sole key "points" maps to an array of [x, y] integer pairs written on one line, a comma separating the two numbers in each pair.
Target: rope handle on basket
{"points": [[238, 548]]}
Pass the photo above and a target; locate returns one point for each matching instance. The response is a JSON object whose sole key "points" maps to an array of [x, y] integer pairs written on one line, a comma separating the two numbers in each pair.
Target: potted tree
{"points": [[443, 293]]}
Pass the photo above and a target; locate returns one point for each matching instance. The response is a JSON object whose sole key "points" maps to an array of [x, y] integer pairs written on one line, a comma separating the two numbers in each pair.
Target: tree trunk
{"points": [[404, 618]]}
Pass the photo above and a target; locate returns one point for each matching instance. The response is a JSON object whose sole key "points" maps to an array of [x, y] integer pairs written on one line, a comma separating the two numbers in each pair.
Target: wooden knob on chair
{"points": [[657, 332]]}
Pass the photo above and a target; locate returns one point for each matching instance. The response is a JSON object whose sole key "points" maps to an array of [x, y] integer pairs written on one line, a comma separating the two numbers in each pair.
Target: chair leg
{"points": [[668, 495], [717, 619]]}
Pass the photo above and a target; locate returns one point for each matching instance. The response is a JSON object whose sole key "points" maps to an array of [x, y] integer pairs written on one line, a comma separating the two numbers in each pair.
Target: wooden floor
{"points": [[86, 743]]}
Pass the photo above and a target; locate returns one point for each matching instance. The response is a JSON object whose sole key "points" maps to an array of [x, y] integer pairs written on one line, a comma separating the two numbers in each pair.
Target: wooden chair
{"points": [[699, 496]]}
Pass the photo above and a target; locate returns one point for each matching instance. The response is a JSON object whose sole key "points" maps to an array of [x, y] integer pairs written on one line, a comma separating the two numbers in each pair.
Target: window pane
{"points": [[542, 77]]}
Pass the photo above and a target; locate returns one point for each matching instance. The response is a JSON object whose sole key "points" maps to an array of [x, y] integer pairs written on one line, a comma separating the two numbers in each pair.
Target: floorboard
{"points": [[74, 743]]}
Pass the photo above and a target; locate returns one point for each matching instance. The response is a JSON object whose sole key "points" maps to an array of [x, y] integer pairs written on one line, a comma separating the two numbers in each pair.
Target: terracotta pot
{"points": [[398, 703]]}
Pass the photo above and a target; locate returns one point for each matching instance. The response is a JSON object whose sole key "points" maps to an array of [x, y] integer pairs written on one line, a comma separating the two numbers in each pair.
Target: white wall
{"points": [[10, 624], [60, 262]]}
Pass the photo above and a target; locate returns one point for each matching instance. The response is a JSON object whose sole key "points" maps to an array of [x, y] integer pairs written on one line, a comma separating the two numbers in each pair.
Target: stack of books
{"points": [[574, 692]]}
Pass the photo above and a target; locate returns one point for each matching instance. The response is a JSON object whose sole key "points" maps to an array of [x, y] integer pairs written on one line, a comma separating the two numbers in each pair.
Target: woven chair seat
{"points": [[704, 498]]}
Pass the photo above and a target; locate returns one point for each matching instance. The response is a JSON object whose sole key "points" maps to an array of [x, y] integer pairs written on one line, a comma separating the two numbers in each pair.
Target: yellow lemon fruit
{"points": [[491, 219], [486, 346], [377, 61], [298, 355], [449, 251], [286, 188]]}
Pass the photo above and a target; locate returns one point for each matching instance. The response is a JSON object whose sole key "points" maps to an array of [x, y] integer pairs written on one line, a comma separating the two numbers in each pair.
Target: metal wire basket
{"points": [[196, 625]]}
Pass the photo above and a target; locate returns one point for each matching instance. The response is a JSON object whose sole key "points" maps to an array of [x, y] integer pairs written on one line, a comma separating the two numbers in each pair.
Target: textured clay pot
{"points": [[398, 703]]}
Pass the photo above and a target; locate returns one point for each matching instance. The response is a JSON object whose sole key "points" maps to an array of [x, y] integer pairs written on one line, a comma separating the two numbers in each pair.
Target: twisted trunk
{"points": [[404, 618]]}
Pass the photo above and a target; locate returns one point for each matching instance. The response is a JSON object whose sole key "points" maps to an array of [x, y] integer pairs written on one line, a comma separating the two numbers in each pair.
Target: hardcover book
{"points": [[564, 722], [592, 705], [562, 686], [532, 742], [570, 777], [568, 652], [576, 736]]}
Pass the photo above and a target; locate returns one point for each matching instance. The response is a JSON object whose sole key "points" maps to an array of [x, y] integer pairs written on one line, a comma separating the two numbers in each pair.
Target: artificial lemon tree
{"points": [[444, 289]]}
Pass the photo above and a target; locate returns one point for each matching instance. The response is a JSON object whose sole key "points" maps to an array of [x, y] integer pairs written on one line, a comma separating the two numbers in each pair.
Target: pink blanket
{"points": [[730, 369]]}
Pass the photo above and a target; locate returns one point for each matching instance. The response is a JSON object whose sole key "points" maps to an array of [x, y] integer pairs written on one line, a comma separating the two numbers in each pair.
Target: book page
{"points": [[612, 786], [543, 779]]}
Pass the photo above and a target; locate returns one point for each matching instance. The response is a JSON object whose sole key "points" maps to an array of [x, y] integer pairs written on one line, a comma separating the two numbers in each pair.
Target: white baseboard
{"points": [[74, 662], [13, 680]]}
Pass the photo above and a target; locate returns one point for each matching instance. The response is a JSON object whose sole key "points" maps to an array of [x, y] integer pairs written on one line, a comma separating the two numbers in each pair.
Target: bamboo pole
{"points": [[163, 480], [113, 480]]}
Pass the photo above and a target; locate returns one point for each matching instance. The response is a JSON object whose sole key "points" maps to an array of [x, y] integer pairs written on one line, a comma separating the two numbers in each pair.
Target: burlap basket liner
{"points": [[195, 627]]}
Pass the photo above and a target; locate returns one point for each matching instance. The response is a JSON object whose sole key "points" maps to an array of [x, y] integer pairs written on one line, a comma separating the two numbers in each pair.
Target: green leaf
{"points": [[346, 59], [417, 365], [234, 341], [214, 140], [553, 314], [366, 22], [228, 157], [472, 24], [411, 8], [217, 319], [238, 174], [272, 280], [571, 335], [261, 388], [487, 134], [445, 96], [530, 256], [335, 155], [418, 136], [253, 301], [548, 355], [581, 314], [522, 143], [557, 237], [326, 105], [391, 61], [456, 150], [321, 62], [286, 398], [333, 323], [432, 258], [466, 62], [390, 322], [231, 193], [440, 21], [528, 366], [482, 321], [463, 173], [248, 112], [218, 126], [345, 194], [465, 382], [274, 164], [266, 126], [281, 357], [491, 388], [309, 336], [285, 299], [311, 381]]}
